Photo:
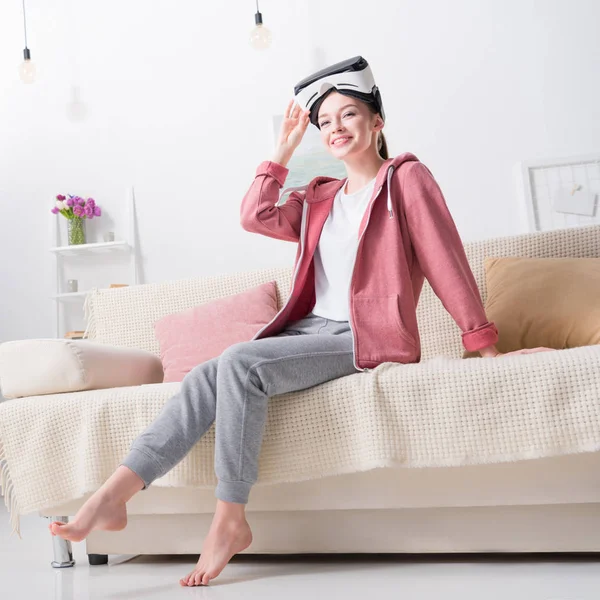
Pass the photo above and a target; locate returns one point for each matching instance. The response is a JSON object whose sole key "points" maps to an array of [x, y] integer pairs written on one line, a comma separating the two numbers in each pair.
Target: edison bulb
{"points": [[27, 71], [260, 37]]}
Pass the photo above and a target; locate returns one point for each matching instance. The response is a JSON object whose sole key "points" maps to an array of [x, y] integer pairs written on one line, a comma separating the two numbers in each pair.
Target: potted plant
{"points": [[76, 210]]}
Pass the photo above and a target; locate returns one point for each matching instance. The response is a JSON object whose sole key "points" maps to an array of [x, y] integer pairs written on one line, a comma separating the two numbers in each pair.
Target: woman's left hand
{"points": [[525, 351]]}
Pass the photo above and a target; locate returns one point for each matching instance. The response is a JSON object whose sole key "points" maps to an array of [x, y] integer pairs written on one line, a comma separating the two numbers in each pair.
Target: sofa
{"points": [[538, 491]]}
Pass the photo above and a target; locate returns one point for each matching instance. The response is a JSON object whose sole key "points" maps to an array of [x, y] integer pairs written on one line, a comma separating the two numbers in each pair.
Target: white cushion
{"points": [[52, 366]]}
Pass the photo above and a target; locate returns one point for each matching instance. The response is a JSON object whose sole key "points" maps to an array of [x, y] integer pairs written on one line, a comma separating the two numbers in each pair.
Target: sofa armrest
{"points": [[52, 366]]}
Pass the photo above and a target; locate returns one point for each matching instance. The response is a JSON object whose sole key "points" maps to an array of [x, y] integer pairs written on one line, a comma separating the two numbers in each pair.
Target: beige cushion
{"points": [[52, 366], [550, 302]]}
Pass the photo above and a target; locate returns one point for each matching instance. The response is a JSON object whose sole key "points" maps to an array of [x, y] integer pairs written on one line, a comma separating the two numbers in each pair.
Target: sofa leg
{"points": [[97, 559], [63, 554]]}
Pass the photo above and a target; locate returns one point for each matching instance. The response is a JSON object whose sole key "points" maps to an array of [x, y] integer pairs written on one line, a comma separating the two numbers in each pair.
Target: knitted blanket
{"points": [[439, 413]]}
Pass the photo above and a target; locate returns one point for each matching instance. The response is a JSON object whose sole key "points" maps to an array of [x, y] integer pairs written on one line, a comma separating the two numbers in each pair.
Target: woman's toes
{"points": [[198, 578], [55, 525], [205, 579]]}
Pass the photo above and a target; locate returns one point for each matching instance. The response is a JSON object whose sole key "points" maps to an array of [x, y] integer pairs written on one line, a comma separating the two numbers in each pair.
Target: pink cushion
{"points": [[198, 334]]}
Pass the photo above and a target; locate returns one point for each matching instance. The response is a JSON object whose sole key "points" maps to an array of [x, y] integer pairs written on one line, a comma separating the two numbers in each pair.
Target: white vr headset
{"points": [[352, 77]]}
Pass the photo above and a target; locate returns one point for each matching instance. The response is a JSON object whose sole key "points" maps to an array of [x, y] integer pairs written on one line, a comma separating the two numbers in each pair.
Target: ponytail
{"points": [[381, 141], [382, 146]]}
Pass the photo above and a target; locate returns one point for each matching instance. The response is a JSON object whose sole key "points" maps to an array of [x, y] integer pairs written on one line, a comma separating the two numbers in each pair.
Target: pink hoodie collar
{"points": [[325, 188]]}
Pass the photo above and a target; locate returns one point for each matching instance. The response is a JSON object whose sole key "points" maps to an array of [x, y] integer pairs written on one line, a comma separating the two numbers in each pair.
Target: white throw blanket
{"points": [[440, 413]]}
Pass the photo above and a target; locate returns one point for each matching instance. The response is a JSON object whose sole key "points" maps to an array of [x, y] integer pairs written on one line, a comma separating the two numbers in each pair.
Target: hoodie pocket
{"points": [[386, 333], [399, 320]]}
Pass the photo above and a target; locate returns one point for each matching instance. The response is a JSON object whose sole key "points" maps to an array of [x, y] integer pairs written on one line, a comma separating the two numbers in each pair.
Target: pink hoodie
{"points": [[406, 234]]}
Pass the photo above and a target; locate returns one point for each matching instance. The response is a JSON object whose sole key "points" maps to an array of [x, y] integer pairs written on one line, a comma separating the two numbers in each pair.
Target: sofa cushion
{"points": [[198, 334], [53, 366], [551, 302]]}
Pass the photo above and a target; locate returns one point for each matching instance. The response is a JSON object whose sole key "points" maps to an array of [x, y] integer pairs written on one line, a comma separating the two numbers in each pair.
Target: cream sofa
{"points": [[549, 504]]}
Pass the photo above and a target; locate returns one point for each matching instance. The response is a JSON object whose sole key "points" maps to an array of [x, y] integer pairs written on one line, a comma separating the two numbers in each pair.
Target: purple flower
{"points": [[78, 210], [60, 197], [81, 201], [97, 211], [54, 211], [69, 201], [90, 202], [89, 211]]}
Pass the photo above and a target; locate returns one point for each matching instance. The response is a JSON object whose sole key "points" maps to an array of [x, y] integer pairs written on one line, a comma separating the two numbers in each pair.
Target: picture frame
{"points": [[562, 192]]}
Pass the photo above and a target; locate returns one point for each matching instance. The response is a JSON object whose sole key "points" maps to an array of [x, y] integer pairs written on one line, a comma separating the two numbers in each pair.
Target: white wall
{"points": [[178, 105]]}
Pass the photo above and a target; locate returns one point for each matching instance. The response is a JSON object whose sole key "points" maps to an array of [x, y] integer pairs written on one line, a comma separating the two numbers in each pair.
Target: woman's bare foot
{"points": [[229, 534], [105, 509], [99, 512]]}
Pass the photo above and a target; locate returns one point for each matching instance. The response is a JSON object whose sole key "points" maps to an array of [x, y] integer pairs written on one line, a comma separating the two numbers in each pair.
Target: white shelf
{"points": [[94, 247], [70, 296], [66, 303]]}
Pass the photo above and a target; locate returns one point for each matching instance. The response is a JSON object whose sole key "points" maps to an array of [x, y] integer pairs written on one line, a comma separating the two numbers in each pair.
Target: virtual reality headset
{"points": [[352, 77]]}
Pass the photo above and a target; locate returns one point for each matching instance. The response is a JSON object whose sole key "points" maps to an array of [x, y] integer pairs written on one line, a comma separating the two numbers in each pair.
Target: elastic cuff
{"points": [[143, 465], [481, 337], [233, 491], [268, 167]]}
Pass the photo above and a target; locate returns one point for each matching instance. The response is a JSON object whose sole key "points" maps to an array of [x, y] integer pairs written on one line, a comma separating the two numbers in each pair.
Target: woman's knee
{"points": [[204, 369], [236, 351]]}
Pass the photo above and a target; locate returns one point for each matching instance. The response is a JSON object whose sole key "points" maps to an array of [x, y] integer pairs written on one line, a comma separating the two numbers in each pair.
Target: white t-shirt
{"points": [[336, 252]]}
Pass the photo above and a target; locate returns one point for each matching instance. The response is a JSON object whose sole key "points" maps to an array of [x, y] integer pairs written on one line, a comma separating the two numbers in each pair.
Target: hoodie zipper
{"points": [[305, 209], [366, 370]]}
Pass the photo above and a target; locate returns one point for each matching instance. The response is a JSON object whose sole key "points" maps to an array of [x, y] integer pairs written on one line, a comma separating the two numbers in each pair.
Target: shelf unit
{"points": [[88, 248], [92, 250]]}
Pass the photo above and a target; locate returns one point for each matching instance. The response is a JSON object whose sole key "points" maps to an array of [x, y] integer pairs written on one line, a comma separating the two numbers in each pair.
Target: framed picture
{"points": [[310, 159], [561, 193]]}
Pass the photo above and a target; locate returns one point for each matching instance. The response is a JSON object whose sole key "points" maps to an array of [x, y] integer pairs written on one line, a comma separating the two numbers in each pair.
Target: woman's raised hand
{"points": [[294, 124]]}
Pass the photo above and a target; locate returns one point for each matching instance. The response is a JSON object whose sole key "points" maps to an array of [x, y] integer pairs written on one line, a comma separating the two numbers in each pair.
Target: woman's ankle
{"points": [[122, 485], [230, 510]]}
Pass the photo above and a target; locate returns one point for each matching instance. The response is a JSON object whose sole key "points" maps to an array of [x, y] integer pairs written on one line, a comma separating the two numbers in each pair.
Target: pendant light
{"points": [[260, 36], [26, 68]]}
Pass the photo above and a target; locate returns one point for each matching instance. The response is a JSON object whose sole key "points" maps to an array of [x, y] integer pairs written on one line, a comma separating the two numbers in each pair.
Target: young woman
{"points": [[365, 244]]}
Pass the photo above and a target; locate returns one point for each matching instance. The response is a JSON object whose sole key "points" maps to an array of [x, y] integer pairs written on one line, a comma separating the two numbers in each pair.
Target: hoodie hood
{"points": [[323, 188]]}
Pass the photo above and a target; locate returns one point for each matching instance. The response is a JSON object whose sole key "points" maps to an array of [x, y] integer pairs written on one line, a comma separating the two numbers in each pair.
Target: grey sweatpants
{"points": [[233, 389]]}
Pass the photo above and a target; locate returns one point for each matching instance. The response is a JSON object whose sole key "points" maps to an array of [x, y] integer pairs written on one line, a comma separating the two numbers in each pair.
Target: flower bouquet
{"points": [[76, 209]]}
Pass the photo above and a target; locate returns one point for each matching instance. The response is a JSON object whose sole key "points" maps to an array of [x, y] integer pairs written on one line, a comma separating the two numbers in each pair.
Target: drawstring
{"points": [[389, 194]]}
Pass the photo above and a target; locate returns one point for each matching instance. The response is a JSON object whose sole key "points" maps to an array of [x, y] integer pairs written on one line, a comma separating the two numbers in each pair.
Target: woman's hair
{"points": [[382, 146], [381, 142]]}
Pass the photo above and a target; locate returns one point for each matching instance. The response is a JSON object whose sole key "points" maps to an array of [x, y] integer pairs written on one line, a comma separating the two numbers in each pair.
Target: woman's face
{"points": [[347, 125]]}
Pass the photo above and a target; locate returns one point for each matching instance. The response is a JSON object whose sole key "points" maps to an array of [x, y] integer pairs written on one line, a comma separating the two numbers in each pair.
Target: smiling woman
{"points": [[354, 126]]}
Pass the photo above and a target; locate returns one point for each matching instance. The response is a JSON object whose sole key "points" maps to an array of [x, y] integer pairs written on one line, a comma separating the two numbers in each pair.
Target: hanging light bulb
{"points": [[26, 68], [260, 36]]}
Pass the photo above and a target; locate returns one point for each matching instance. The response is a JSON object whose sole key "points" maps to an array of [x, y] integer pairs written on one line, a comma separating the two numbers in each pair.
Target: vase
{"points": [[76, 229]]}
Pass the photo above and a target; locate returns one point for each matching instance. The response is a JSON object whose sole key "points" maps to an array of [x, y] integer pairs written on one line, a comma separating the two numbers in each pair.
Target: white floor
{"points": [[25, 573]]}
